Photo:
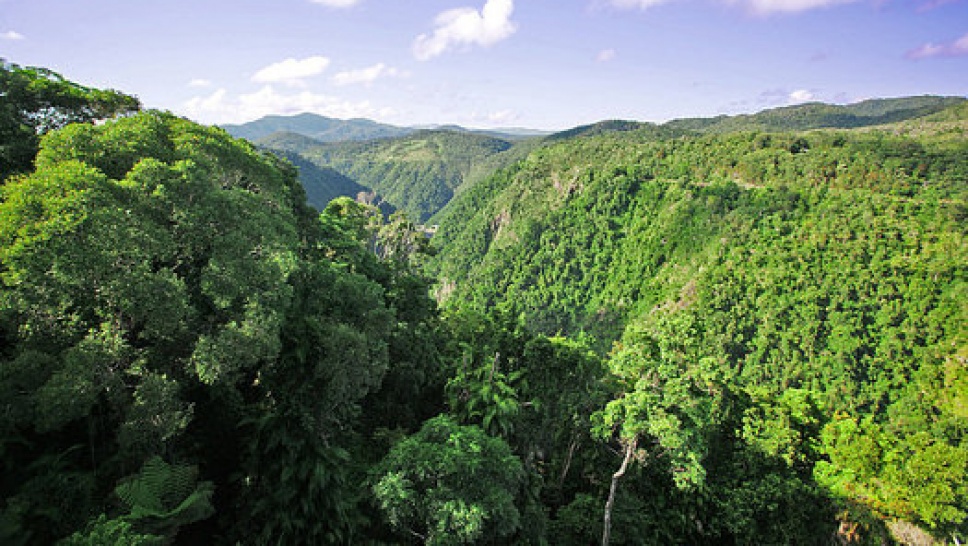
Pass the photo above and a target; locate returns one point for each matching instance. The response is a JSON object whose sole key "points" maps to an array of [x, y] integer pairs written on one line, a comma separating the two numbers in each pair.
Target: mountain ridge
{"points": [[328, 129], [420, 170], [810, 115]]}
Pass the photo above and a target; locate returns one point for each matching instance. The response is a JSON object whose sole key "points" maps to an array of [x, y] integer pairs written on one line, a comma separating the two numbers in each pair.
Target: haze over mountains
{"points": [[327, 129], [419, 170]]}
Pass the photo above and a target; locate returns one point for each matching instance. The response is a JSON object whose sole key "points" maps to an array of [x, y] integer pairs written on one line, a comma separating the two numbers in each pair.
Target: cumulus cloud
{"points": [[200, 82], [12, 35], [956, 48], [336, 3], [463, 27], [367, 75], [291, 71], [605, 55], [221, 107]]}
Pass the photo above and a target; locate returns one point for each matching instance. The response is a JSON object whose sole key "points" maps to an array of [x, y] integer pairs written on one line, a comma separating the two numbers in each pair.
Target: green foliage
{"points": [[111, 532], [449, 484], [810, 276], [294, 488], [37, 101], [785, 313], [51, 498], [668, 395], [816, 115], [485, 396], [316, 127], [322, 184], [149, 266], [163, 497]]}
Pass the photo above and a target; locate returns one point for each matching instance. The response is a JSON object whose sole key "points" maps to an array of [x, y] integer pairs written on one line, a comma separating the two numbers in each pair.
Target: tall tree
{"points": [[668, 401]]}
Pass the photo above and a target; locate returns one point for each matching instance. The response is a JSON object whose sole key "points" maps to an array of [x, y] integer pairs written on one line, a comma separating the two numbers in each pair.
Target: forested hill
{"points": [[597, 164], [818, 115], [418, 171], [320, 128], [822, 274]]}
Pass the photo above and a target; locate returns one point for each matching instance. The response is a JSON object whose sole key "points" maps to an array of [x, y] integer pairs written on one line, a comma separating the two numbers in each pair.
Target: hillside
{"points": [[591, 183], [418, 173], [323, 184], [818, 115], [831, 264]]}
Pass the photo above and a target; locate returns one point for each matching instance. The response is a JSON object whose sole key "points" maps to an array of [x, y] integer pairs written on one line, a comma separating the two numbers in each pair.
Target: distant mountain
{"points": [[822, 116], [419, 171], [608, 126], [288, 141], [317, 127], [506, 133], [325, 129]]}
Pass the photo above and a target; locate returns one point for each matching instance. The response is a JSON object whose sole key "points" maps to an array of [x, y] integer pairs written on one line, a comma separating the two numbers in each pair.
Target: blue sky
{"points": [[546, 64]]}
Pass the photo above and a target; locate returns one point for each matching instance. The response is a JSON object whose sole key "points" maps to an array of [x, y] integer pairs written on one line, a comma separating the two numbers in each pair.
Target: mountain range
{"points": [[419, 170], [327, 129]]}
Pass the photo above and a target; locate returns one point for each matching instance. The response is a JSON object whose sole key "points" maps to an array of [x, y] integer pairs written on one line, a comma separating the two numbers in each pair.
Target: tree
{"points": [[666, 405], [144, 261], [450, 484]]}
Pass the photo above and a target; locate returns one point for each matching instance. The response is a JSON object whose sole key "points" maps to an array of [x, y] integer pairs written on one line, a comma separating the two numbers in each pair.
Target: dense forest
{"points": [[747, 330]]}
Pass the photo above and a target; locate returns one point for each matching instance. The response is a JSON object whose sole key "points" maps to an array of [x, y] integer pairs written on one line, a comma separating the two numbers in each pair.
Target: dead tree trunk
{"points": [[629, 450]]}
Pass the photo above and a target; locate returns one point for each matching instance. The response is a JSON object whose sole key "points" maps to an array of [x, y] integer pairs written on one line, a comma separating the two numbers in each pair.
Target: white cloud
{"points": [[766, 7], [961, 45], [291, 71], [486, 119], [200, 82], [785, 97], [925, 51], [12, 35], [800, 96], [367, 75], [336, 3], [927, 5], [502, 117], [220, 107], [956, 48], [201, 108], [605, 55], [467, 26], [758, 7], [637, 4]]}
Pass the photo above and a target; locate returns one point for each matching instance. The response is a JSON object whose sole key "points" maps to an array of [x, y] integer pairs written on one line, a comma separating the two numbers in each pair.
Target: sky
{"points": [[540, 64]]}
